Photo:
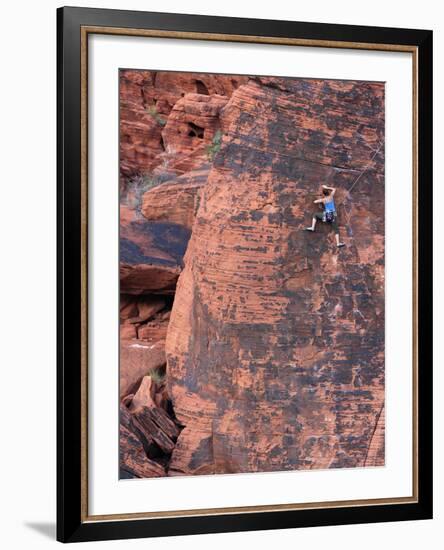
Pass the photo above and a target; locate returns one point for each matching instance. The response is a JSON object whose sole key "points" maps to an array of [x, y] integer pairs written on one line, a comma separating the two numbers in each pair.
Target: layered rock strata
{"points": [[170, 132], [275, 348], [147, 99], [275, 345]]}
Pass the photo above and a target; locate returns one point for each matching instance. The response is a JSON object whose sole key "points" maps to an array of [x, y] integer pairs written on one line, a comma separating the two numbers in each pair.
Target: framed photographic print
{"points": [[244, 288]]}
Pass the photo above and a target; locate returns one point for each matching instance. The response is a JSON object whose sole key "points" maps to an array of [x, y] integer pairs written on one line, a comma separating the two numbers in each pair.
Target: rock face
{"points": [[274, 354], [151, 257], [176, 201], [146, 101], [170, 130], [133, 456], [275, 347], [137, 358], [191, 130], [141, 278]]}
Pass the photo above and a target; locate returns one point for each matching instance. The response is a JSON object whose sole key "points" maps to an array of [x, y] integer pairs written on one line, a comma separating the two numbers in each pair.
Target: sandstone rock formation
{"points": [[275, 348], [147, 99], [169, 134], [134, 459], [275, 344], [137, 358], [176, 201], [151, 256], [190, 131]]}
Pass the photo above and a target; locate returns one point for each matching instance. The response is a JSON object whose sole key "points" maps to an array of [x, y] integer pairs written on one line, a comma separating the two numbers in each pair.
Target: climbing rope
{"points": [[366, 168], [348, 214]]}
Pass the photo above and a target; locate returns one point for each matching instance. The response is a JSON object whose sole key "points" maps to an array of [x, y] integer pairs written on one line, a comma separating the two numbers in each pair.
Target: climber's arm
{"points": [[332, 189], [318, 201]]}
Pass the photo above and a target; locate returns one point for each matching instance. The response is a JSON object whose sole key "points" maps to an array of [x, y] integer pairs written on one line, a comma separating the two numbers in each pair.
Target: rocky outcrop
{"points": [[170, 133], [139, 278], [192, 131], [133, 457], [177, 201], [148, 429], [275, 347], [146, 101], [138, 358], [151, 256], [158, 204], [147, 435]]}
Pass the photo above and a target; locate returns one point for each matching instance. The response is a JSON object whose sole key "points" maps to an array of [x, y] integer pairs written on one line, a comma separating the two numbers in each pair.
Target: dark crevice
{"points": [[195, 131], [201, 88], [142, 93]]}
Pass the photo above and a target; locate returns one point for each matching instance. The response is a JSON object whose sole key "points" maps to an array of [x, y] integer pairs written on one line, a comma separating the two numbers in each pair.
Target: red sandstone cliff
{"points": [[169, 132], [275, 346], [160, 121]]}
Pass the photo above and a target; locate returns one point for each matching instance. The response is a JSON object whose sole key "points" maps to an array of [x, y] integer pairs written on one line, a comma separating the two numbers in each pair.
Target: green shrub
{"points": [[215, 145], [152, 111], [157, 375]]}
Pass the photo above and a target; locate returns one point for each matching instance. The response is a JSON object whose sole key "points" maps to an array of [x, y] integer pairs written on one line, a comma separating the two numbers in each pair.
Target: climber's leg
{"points": [[336, 230], [316, 217], [338, 243]]}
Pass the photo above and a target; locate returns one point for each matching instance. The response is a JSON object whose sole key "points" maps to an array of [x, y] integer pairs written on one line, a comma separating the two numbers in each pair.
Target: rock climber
{"points": [[329, 214]]}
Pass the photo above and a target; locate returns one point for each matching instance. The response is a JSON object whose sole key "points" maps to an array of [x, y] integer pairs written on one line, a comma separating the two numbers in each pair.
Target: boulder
{"points": [[136, 360], [176, 201], [155, 424], [144, 395], [133, 459], [148, 278], [151, 256]]}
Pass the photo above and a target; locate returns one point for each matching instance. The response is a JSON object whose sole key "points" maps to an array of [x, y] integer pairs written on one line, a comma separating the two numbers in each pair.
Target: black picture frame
{"points": [[71, 523]]}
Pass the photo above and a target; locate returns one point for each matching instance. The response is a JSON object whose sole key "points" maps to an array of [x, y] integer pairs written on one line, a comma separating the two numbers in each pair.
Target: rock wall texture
{"points": [[149, 137], [170, 131], [275, 347], [246, 343]]}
